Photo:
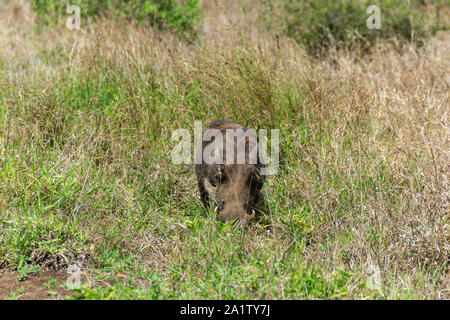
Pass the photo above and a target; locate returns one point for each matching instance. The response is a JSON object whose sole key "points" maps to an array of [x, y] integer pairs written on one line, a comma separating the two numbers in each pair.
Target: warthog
{"points": [[232, 182]]}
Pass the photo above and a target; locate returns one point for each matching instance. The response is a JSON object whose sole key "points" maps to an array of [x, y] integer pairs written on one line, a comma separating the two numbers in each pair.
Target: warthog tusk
{"points": [[253, 214], [216, 210]]}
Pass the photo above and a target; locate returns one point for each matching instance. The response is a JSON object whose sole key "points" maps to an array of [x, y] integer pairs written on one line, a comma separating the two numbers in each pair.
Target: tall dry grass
{"points": [[365, 141]]}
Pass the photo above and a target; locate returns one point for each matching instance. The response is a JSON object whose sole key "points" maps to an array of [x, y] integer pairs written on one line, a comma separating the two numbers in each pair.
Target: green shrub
{"points": [[164, 14], [52, 11], [324, 24]]}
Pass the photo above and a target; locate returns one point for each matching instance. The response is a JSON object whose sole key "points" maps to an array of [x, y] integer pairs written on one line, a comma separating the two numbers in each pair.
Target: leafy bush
{"points": [[164, 14], [321, 24], [52, 11]]}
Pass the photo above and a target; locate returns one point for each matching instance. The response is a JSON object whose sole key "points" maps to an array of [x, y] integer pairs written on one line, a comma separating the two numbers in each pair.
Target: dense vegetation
{"points": [[164, 14], [323, 24], [359, 207]]}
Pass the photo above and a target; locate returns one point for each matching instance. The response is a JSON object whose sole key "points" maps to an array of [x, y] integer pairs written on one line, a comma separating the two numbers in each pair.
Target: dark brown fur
{"points": [[234, 188]]}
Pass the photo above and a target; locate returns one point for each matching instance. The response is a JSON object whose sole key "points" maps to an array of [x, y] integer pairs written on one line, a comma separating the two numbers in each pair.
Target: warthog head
{"points": [[234, 182]]}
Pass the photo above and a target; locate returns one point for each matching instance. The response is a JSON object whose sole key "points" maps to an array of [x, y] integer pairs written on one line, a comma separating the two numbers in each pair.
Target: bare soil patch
{"points": [[33, 287]]}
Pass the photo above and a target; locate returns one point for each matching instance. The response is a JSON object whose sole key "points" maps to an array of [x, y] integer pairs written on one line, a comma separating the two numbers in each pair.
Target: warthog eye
{"points": [[216, 179], [213, 183], [220, 175], [220, 178]]}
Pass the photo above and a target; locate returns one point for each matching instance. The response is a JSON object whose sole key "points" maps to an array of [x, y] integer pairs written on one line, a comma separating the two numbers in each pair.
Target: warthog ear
{"points": [[257, 177], [256, 173]]}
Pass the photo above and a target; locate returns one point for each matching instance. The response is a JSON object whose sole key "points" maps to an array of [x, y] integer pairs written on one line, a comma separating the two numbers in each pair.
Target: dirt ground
{"points": [[33, 287]]}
